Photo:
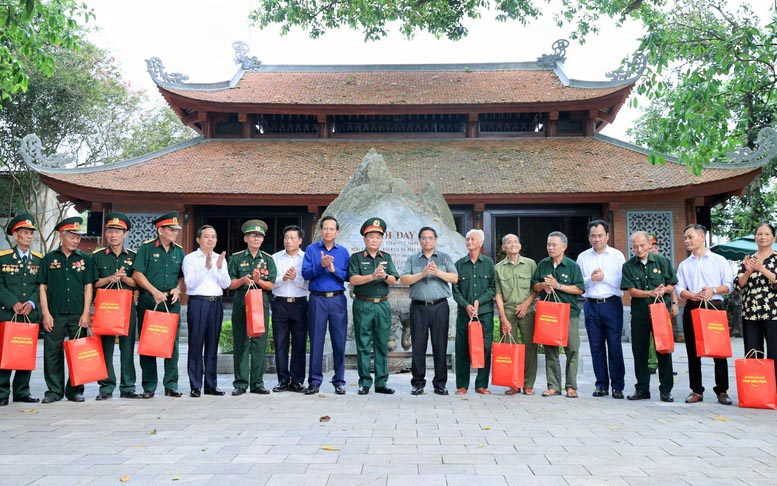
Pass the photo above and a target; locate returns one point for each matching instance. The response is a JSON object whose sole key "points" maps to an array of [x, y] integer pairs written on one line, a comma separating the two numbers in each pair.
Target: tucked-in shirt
{"points": [[289, 288], [655, 271], [362, 263], [476, 282], [320, 279], [66, 278], [162, 268], [107, 263], [566, 273], [711, 270], [610, 261], [429, 287], [513, 282], [200, 280], [759, 295], [243, 263]]}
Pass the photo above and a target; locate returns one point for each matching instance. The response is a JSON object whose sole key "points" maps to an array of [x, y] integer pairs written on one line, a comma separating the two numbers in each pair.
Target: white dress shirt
{"points": [[711, 270], [201, 281], [289, 288], [610, 261]]}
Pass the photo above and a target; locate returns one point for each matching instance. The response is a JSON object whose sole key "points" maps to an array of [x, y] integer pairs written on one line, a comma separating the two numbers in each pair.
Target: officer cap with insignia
{"points": [[653, 240], [168, 219], [22, 221], [72, 225], [373, 225], [118, 220], [254, 226]]}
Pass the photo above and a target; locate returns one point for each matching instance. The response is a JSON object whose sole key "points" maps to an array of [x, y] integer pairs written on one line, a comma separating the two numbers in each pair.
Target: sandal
{"points": [[528, 391], [571, 393], [550, 393]]}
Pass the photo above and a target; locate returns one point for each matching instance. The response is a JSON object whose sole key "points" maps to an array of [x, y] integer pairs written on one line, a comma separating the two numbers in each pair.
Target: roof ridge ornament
{"points": [[632, 70], [156, 69], [559, 54], [31, 150], [241, 56], [767, 150]]}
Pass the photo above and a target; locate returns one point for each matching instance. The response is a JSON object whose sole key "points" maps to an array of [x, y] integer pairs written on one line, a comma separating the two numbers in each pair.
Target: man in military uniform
{"points": [[371, 273], [647, 276], [158, 273], [251, 265], [65, 277], [113, 265], [474, 294], [19, 296]]}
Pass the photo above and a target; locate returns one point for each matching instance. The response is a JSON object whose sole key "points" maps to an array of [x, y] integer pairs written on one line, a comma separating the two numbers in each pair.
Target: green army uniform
{"points": [[513, 283], [566, 273], [66, 278], [371, 316], [657, 271], [249, 352], [106, 263], [18, 283], [162, 269], [476, 282]]}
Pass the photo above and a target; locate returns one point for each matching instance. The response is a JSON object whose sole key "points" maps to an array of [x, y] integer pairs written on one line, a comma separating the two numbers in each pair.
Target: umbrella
{"points": [[738, 248]]}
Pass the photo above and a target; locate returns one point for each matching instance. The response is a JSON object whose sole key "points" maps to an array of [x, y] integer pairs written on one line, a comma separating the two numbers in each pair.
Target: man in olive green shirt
{"points": [[474, 294], [515, 304], [560, 274], [158, 273]]}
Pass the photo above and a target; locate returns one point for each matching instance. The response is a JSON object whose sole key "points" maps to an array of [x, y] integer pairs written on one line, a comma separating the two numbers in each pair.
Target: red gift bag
{"points": [[254, 311], [663, 336], [477, 354], [85, 359], [18, 344], [711, 329], [112, 309], [157, 338], [551, 322], [507, 363], [756, 384]]}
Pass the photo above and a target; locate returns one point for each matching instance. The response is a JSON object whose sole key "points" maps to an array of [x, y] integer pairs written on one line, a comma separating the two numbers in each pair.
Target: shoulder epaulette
{"points": [[98, 250], [131, 251], [5, 252], [176, 244], [267, 254], [149, 241], [239, 252], [36, 254]]}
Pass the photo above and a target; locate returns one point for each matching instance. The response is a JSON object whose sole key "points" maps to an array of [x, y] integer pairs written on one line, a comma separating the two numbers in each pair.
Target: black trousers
{"points": [[290, 320], [426, 321], [694, 362]]}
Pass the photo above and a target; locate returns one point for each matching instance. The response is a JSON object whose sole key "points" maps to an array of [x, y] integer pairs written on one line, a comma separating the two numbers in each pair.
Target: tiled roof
{"points": [[458, 167], [399, 88]]}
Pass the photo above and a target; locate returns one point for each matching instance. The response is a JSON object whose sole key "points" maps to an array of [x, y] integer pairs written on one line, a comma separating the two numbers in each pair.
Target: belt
{"points": [[205, 297], [602, 301], [290, 300], [429, 302], [374, 300], [326, 294]]}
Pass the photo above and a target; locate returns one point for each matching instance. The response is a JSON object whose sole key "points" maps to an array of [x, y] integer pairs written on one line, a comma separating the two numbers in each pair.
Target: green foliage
{"points": [[227, 341]]}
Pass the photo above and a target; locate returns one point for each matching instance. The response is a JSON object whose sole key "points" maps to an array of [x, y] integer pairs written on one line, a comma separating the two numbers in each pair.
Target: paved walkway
{"points": [[289, 439]]}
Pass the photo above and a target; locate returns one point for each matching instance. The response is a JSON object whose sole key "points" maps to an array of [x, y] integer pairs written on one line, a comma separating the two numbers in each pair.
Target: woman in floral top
{"points": [[757, 282]]}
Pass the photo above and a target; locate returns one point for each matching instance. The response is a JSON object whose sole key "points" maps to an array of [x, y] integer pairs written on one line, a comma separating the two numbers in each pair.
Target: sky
{"points": [[195, 37]]}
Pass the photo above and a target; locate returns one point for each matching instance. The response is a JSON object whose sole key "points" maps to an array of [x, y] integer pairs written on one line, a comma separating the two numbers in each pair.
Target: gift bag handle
{"points": [[78, 333], [509, 335], [474, 318], [116, 283], [753, 354], [165, 303], [555, 296], [25, 317]]}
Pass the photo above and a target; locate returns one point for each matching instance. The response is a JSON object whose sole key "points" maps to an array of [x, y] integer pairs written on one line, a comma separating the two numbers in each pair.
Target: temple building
{"points": [[514, 147]]}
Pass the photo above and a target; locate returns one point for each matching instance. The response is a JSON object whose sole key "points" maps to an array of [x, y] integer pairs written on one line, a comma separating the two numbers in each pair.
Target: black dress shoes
{"points": [[724, 399], [384, 390], [50, 399], [129, 394], [103, 396], [638, 395], [617, 394], [340, 389], [3, 401], [214, 391], [417, 390], [173, 393], [296, 387], [666, 397], [238, 391], [601, 392], [76, 397], [147, 394], [281, 387], [195, 393], [364, 390], [27, 399], [311, 390], [260, 390], [440, 390]]}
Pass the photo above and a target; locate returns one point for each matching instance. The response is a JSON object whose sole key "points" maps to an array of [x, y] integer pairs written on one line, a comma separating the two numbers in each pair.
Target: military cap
{"points": [[254, 226], [652, 238], [168, 219], [118, 220], [373, 225], [73, 225], [21, 221]]}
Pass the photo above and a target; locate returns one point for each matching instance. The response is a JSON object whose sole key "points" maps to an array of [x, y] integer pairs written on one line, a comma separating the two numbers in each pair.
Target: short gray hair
{"points": [[560, 236], [479, 232], [505, 237], [640, 233]]}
